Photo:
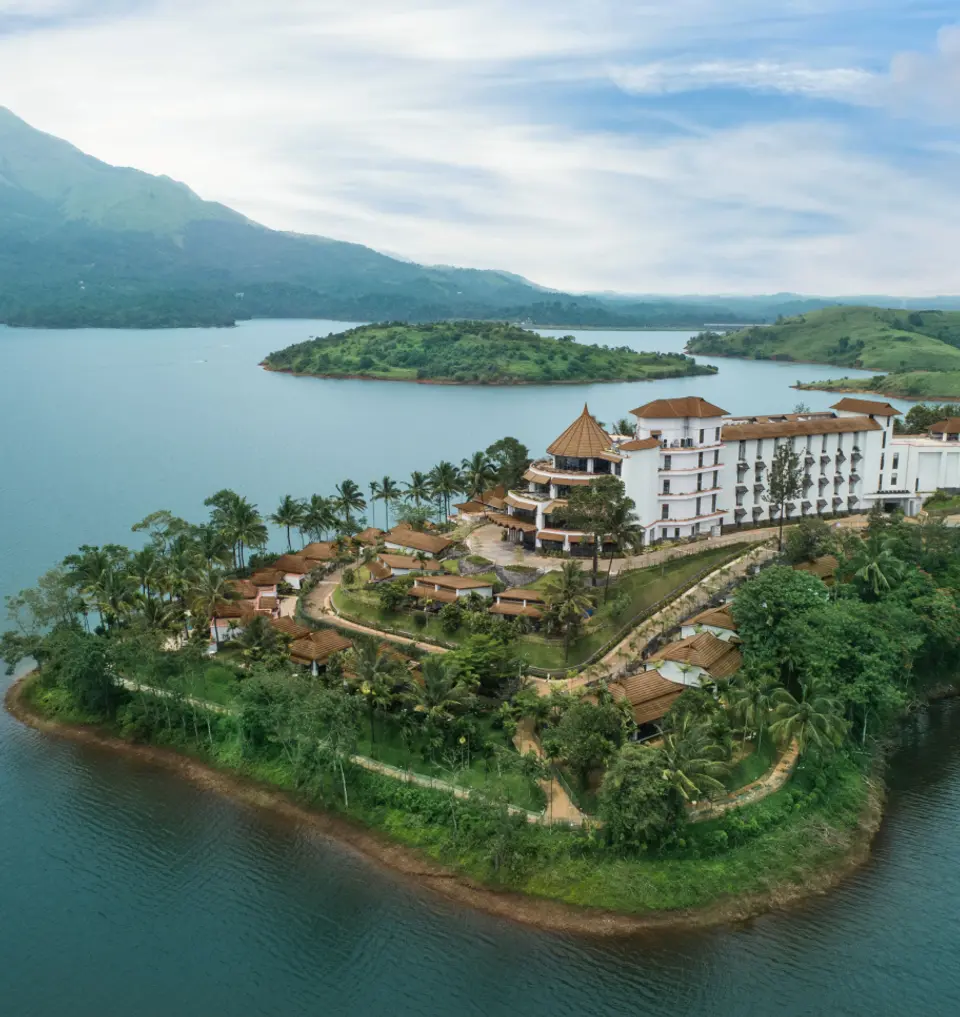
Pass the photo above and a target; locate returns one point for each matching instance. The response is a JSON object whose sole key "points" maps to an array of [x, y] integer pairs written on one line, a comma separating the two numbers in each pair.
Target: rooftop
{"points": [[521, 594], [688, 406], [293, 564], [866, 406], [429, 593], [649, 693], [429, 542], [949, 426], [513, 609], [290, 628], [371, 535], [718, 658], [319, 645], [407, 561], [718, 617], [266, 577], [639, 444], [794, 428], [319, 550], [456, 582], [825, 567], [583, 439]]}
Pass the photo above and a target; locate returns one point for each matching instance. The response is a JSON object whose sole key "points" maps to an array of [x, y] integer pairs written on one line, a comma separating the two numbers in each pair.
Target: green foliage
{"points": [[473, 352], [511, 459], [810, 538], [485, 660], [587, 735], [636, 803]]}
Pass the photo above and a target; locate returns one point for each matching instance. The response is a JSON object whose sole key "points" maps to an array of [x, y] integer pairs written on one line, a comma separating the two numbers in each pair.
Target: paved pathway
{"points": [[771, 781], [560, 807]]}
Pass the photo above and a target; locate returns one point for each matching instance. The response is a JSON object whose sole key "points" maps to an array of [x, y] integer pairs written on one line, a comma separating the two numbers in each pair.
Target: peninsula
{"points": [[473, 353]]}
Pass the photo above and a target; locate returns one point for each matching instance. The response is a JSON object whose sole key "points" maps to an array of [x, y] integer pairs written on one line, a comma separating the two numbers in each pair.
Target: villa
{"points": [[449, 589], [649, 694], [369, 537], [232, 617], [692, 469], [290, 628], [295, 569], [697, 659], [409, 541], [716, 620], [403, 565], [319, 552], [265, 581], [512, 603], [314, 651]]}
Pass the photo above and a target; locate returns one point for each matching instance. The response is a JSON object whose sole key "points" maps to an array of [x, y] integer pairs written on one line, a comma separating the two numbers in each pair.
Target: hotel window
{"points": [[665, 512], [698, 506], [676, 531], [700, 460], [880, 482], [701, 435], [743, 450], [713, 505], [699, 481], [809, 442], [823, 447], [896, 461], [716, 478], [893, 480], [716, 458], [839, 442], [716, 434], [666, 487], [667, 460], [760, 449], [882, 458], [884, 445]]}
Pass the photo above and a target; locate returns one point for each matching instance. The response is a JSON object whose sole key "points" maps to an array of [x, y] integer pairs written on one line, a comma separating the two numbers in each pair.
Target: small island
{"points": [[472, 353], [900, 385]]}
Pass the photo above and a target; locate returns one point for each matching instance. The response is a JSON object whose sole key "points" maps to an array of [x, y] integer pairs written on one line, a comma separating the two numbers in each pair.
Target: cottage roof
{"points": [[243, 609], [378, 570], [825, 567], [429, 593], [407, 561], [718, 658], [511, 522], [718, 617], [242, 588], [514, 502], [583, 439], [290, 628], [319, 646], [649, 693], [429, 542], [514, 608], [688, 406], [949, 426], [293, 564], [521, 594], [794, 428], [371, 535], [457, 582], [266, 578], [866, 406], [639, 444], [319, 550], [469, 506]]}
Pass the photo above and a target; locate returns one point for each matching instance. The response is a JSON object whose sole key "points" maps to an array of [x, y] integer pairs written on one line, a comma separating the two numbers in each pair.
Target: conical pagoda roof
{"points": [[582, 439]]}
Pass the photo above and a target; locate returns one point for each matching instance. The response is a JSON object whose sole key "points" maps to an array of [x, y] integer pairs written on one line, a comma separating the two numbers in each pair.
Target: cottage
{"points": [[265, 581], [649, 694], [512, 603], [405, 564], [229, 619], [409, 541], [290, 628], [946, 430], [319, 552], [295, 569], [718, 620], [449, 589], [314, 651], [697, 659], [369, 537]]}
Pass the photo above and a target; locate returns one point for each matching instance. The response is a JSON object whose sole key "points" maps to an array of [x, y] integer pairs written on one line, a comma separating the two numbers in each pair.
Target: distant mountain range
{"points": [[83, 243]]}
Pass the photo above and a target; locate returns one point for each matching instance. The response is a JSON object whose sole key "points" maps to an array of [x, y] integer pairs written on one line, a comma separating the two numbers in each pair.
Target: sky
{"points": [[641, 146]]}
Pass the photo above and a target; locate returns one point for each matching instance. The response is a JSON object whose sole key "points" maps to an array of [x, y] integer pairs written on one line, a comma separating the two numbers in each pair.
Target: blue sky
{"points": [[674, 147]]}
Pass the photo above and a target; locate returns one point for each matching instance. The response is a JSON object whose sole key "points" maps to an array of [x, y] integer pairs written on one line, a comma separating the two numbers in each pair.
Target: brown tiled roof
{"points": [[949, 426], [243, 588], [649, 693], [493, 501], [266, 577], [319, 645], [429, 593], [719, 617], [407, 561], [511, 522], [521, 594], [294, 564], [718, 658], [319, 550], [371, 535], [639, 444], [583, 481], [582, 439], [824, 567], [611, 457], [290, 628], [267, 603], [513, 610], [575, 538], [794, 428], [429, 542], [515, 502], [235, 609], [470, 506], [866, 406], [456, 582], [378, 571], [688, 406], [536, 477]]}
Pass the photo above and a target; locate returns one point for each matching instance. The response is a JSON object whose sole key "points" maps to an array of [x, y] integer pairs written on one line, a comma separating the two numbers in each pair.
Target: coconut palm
{"points": [[208, 590], [692, 761], [624, 531], [374, 498], [625, 426], [245, 526], [389, 494], [320, 516], [146, 567], [568, 599], [875, 565], [418, 488], [442, 697], [814, 720], [374, 669], [289, 514], [349, 499], [477, 475], [444, 481], [751, 701]]}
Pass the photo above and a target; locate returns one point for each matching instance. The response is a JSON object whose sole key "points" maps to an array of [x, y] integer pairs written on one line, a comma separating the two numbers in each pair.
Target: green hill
{"points": [[866, 337], [472, 352], [908, 385]]}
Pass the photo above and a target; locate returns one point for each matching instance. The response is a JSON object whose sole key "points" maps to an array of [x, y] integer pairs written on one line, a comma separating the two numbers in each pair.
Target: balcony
{"points": [[807, 483], [739, 513], [840, 458], [821, 503], [741, 488], [824, 459], [809, 459], [758, 488], [822, 482]]}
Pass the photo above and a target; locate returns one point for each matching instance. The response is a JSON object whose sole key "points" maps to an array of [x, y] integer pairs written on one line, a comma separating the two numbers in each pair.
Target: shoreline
{"points": [[541, 913], [482, 384], [814, 387]]}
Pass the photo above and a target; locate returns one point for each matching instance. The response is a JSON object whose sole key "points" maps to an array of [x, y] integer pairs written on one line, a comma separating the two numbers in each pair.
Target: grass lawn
{"points": [[215, 682], [753, 765], [942, 503]]}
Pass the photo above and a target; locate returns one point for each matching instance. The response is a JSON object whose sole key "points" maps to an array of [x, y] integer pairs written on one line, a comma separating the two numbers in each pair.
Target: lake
{"points": [[126, 892]]}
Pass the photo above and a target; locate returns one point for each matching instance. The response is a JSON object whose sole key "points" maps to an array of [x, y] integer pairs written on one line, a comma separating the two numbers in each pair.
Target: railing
{"points": [[648, 612]]}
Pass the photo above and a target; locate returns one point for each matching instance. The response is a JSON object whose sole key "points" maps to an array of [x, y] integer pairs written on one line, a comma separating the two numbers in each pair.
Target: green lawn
{"points": [[753, 765], [942, 503], [215, 682]]}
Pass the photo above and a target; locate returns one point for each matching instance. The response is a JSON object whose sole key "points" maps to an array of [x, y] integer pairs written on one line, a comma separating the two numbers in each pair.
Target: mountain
{"points": [[873, 338], [86, 243]]}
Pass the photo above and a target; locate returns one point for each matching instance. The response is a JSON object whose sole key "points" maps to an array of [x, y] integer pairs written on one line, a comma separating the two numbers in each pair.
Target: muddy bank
{"points": [[544, 914]]}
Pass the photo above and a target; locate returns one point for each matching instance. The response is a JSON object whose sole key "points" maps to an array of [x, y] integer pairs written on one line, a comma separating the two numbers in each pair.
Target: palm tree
{"points": [[389, 493], [751, 701], [320, 516], [442, 696], [146, 566], [444, 483], [374, 669], [477, 475], [422, 559], [692, 761], [418, 488], [624, 426], [813, 720], [875, 565], [246, 527], [568, 601], [349, 499], [375, 495], [624, 530], [290, 513], [208, 590]]}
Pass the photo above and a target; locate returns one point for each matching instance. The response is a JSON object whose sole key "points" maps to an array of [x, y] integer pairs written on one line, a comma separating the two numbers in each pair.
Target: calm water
{"points": [[126, 892]]}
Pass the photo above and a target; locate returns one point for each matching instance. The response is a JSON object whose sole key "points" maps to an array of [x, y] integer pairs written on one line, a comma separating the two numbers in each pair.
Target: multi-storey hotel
{"points": [[692, 469]]}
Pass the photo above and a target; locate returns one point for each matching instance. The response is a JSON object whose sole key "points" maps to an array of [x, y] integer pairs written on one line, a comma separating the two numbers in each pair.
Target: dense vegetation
{"points": [[472, 352], [905, 385], [866, 337]]}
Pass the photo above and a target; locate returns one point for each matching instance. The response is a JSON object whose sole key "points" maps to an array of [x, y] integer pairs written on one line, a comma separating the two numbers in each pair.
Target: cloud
{"points": [[929, 81], [494, 134]]}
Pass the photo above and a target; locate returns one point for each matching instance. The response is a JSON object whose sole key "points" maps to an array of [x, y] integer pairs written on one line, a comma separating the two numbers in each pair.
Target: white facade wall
{"points": [[682, 674], [481, 591]]}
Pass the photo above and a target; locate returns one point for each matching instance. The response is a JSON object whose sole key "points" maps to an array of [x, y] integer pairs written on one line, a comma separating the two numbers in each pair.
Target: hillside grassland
{"points": [[906, 385], [864, 337], [472, 352]]}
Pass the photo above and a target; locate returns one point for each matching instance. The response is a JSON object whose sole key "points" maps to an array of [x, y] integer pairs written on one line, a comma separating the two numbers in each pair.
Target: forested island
{"points": [[472, 353], [903, 385]]}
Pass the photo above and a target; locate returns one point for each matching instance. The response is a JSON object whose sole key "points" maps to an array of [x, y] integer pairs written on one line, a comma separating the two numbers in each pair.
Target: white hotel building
{"points": [[693, 469]]}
